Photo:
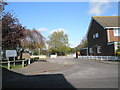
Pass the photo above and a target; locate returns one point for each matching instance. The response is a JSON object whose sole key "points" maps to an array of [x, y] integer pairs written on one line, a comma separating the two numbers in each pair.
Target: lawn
{"points": [[19, 65], [12, 66]]}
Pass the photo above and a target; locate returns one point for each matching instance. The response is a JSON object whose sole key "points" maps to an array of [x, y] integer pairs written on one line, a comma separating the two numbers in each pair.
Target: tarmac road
{"points": [[90, 73], [77, 73]]}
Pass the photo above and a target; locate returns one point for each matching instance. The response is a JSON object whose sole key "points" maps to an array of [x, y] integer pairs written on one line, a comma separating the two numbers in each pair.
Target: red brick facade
{"points": [[111, 36]]}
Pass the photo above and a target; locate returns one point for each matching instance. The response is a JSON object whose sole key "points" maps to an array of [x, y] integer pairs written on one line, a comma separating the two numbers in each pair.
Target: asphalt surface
{"points": [[89, 73], [68, 73]]}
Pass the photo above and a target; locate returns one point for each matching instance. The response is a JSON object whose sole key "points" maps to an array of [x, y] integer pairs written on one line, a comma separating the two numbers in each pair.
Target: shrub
{"points": [[35, 53], [118, 53]]}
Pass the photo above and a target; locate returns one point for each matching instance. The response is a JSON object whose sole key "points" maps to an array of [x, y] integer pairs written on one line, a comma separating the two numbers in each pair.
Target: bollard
{"points": [[8, 64], [23, 63]]}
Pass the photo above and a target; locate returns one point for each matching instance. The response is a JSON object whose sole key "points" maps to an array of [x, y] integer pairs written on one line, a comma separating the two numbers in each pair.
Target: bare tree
{"points": [[33, 39]]}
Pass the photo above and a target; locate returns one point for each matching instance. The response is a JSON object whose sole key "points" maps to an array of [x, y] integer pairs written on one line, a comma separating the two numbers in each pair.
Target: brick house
{"points": [[103, 35]]}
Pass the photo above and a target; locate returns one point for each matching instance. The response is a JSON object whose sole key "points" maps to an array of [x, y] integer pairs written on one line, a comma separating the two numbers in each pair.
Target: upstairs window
{"points": [[117, 32]]}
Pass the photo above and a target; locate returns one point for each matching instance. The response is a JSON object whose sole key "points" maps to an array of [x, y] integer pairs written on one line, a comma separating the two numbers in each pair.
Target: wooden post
{"points": [[8, 63], [14, 61], [28, 60], [22, 63]]}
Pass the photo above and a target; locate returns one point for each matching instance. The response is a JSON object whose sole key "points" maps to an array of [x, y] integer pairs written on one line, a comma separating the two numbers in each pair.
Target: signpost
{"points": [[11, 53]]}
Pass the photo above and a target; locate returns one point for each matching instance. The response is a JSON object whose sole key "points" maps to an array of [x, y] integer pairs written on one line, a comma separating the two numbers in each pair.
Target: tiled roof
{"points": [[108, 21]]}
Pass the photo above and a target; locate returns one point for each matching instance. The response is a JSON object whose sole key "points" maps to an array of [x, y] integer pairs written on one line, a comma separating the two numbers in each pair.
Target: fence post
{"points": [[28, 60], [115, 58], [107, 58], [97, 58], [8, 64], [101, 58], [22, 63], [14, 61]]}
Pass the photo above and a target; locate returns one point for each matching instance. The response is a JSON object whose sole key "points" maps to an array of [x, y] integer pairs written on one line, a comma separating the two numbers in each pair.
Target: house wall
{"points": [[111, 36], [102, 40]]}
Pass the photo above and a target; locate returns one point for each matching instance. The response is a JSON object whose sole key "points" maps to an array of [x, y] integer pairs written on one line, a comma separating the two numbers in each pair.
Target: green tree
{"points": [[58, 42], [83, 44], [118, 50], [71, 50]]}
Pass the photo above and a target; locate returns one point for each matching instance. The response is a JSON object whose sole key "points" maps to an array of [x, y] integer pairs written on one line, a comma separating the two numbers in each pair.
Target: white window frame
{"points": [[91, 50], [96, 35], [116, 32], [98, 49]]}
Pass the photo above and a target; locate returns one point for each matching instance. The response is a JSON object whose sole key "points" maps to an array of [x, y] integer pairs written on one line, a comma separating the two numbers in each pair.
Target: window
{"points": [[117, 32], [98, 49], [90, 50], [95, 35]]}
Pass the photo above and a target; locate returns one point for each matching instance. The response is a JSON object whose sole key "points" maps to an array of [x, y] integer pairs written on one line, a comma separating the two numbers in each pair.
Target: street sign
{"points": [[11, 53]]}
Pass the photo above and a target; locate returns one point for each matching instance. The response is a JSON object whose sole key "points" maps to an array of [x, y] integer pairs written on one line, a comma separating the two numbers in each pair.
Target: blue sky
{"points": [[73, 17]]}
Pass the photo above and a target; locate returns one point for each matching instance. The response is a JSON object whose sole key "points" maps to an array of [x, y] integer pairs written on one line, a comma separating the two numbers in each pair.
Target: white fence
{"points": [[53, 56], [115, 58]]}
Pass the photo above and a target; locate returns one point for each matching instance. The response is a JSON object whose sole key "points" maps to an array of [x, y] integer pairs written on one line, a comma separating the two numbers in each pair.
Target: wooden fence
{"points": [[14, 62]]}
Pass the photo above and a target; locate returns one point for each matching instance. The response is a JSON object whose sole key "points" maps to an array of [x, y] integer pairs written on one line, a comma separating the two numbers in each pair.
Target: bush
{"points": [[35, 53], [117, 53]]}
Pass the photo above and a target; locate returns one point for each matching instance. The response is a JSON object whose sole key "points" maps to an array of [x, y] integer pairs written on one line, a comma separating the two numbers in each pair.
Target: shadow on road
{"points": [[12, 79]]}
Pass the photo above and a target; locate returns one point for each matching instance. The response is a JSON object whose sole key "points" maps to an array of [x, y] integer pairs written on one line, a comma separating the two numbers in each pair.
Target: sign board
{"points": [[11, 53]]}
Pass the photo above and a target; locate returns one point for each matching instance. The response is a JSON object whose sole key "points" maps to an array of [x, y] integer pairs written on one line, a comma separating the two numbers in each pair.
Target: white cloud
{"points": [[114, 15], [58, 30], [42, 29], [98, 8]]}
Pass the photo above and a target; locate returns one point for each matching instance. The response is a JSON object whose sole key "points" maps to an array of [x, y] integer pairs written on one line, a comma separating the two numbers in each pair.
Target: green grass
{"points": [[33, 59], [12, 66], [43, 59], [20, 65]]}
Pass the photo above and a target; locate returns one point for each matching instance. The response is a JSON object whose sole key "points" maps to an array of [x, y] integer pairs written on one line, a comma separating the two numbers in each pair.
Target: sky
{"points": [[72, 17]]}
